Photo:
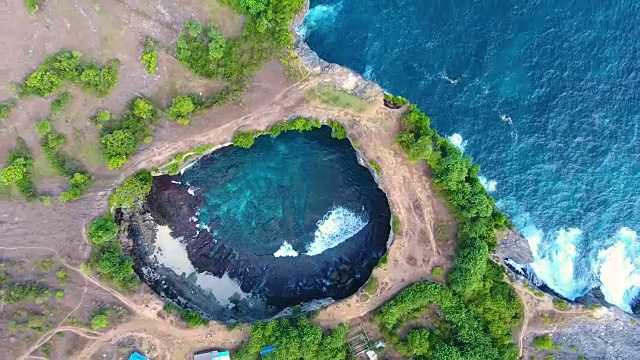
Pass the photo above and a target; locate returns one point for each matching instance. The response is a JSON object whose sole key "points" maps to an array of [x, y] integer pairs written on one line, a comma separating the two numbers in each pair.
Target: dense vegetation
{"points": [[394, 102], [265, 35], [149, 57], [476, 287], [113, 266], [132, 190], [543, 342], [18, 170], [51, 143], [24, 293], [246, 139], [69, 67], [102, 229], [5, 109], [121, 137], [294, 339]]}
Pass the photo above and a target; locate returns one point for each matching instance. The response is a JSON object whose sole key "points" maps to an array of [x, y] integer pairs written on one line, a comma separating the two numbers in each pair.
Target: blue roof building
{"points": [[136, 356]]}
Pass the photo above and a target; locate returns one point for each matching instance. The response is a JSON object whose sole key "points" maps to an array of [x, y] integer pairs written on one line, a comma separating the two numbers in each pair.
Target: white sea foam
{"points": [[618, 269], [192, 190], [489, 185], [368, 72], [457, 141], [285, 250], [338, 225], [318, 17]]}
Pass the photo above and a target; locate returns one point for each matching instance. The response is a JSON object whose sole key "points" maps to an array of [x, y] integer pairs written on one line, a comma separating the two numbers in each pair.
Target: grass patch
{"points": [[63, 277], [5, 109], [32, 6], [20, 293], [372, 286], [61, 103], [560, 304], [395, 224], [337, 98], [384, 260], [375, 166], [190, 318], [181, 159]]}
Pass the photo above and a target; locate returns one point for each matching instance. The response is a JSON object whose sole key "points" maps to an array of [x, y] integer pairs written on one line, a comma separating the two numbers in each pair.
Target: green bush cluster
{"points": [[113, 266], [19, 293], [51, 142], [266, 34], [5, 109], [69, 67], [61, 102], [62, 277], [543, 342], [99, 321], [102, 229], [295, 339], [120, 138], [132, 191], [149, 57], [32, 5], [337, 130], [394, 102], [18, 170], [476, 280], [181, 107], [300, 124]]}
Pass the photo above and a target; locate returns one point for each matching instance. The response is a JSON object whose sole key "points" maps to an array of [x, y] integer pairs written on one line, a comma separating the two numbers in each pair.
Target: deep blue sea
{"points": [[544, 95]]}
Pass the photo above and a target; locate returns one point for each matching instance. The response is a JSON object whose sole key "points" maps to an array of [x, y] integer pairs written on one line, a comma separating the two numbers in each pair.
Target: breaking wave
{"points": [[457, 141], [618, 269], [336, 226], [318, 18], [489, 185], [285, 250]]}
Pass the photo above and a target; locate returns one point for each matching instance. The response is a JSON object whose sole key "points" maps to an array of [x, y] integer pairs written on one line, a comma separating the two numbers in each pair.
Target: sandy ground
{"points": [[32, 231]]}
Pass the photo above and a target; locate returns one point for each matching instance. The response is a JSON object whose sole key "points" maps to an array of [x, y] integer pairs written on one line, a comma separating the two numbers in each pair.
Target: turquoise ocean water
{"points": [[545, 96]]}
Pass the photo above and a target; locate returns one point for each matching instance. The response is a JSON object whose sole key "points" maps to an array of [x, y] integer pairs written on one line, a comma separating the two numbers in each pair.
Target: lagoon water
{"points": [[242, 234], [545, 96]]}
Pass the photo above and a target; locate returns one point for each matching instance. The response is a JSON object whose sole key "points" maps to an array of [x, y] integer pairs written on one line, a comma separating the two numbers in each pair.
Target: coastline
{"points": [[512, 245]]}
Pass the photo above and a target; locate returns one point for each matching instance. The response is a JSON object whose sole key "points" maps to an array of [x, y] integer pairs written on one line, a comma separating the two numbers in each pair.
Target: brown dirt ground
{"points": [[108, 29]]}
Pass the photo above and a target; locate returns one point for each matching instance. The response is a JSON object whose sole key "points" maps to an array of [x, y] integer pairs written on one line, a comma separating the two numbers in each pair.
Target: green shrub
{"points": [[61, 103], [59, 294], [337, 130], [192, 318], [113, 266], [299, 124], [69, 67], [294, 339], [32, 5], [43, 127], [543, 342], [120, 140], [102, 229], [62, 277], [79, 183], [20, 293], [18, 170], [133, 190], [101, 117], [375, 166], [149, 57], [181, 107], [99, 321], [384, 260], [244, 139], [5, 109], [436, 271], [394, 102]]}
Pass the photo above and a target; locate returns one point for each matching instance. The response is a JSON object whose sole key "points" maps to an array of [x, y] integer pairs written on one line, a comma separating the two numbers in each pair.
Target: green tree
{"points": [[418, 341], [181, 107], [118, 146], [132, 190], [102, 229], [99, 321]]}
